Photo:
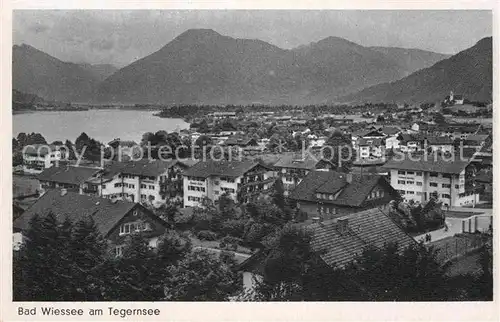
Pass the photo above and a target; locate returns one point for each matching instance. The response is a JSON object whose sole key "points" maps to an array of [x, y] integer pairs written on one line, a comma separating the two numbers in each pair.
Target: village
{"points": [[406, 175]]}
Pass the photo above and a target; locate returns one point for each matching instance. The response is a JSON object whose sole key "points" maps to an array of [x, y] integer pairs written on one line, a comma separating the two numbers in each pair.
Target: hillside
{"points": [[36, 72], [468, 73], [202, 66], [99, 71]]}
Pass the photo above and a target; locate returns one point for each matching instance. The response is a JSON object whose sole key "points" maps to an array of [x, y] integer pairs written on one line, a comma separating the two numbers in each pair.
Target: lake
{"points": [[102, 125]]}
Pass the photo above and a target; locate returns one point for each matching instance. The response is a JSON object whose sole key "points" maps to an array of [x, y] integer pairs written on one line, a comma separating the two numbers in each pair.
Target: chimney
{"points": [[348, 177], [63, 192], [342, 225]]}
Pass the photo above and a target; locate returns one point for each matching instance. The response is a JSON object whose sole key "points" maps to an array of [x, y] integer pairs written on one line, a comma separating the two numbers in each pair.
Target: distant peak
{"points": [[198, 33]]}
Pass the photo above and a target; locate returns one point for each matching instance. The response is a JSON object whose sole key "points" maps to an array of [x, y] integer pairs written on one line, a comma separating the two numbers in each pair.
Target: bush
{"points": [[207, 235], [231, 240], [234, 227]]}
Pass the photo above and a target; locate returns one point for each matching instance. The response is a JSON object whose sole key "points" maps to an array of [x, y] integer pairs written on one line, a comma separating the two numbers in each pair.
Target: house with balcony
{"points": [[410, 142], [243, 181], [145, 181], [329, 194], [371, 148], [114, 219], [442, 144], [71, 178], [37, 157], [293, 168], [424, 176]]}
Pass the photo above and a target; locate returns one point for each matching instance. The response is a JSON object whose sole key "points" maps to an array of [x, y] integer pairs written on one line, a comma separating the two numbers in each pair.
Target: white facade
{"points": [[37, 163], [418, 186]]}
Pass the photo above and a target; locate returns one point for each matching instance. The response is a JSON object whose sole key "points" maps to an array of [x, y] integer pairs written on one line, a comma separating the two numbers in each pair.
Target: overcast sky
{"points": [[120, 37]]}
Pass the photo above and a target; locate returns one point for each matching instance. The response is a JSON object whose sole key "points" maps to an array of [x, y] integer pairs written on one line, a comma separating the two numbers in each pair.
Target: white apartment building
{"points": [[242, 180], [449, 181], [38, 157], [145, 181]]}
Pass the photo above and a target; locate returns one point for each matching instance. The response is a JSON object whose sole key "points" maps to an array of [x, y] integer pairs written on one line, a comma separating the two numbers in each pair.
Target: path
{"points": [[239, 257]]}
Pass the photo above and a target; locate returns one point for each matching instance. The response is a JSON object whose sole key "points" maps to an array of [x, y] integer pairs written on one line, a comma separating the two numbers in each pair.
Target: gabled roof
{"points": [[144, 167], [75, 207], [366, 228], [298, 161], [429, 163], [239, 139], [407, 137], [39, 149], [371, 142], [439, 140], [224, 168], [390, 130], [331, 182], [67, 174]]}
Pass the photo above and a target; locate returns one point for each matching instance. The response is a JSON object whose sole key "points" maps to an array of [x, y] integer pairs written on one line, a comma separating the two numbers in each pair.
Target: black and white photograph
{"points": [[251, 156]]}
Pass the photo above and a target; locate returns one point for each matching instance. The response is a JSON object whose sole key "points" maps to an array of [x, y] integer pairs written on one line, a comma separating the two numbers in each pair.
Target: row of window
{"points": [[326, 210], [196, 188], [432, 184], [420, 193], [149, 197], [197, 199], [419, 174], [227, 179], [132, 227], [410, 173], [229, 190], [145, 186], [126, 185], [376, 194]]}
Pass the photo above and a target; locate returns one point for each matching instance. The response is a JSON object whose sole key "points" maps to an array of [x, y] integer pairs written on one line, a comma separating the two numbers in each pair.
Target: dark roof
{"points": [[297, 161], [406, 137], [439, 140], [225, 168], [390, 130], [441, 165], [239, 139], [38, 149], [366, 228], [75, 207], [484, 177], [374, 141], [331, 182], [67, 174], [145, 168]]}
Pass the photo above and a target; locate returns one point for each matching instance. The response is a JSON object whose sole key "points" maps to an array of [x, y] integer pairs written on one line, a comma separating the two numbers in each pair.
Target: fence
{"points": [[458, 245], [481, 223]]}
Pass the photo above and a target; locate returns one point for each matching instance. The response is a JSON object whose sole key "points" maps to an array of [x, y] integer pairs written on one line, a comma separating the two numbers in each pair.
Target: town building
{"points": [[37, 157], [371, 148], [115, 220], [338, 242], [410, 142], [293, 168], [439, 144], [330, 194], [145, 181], [241, 180], [71, 178], [424, 176], [242, 141]]}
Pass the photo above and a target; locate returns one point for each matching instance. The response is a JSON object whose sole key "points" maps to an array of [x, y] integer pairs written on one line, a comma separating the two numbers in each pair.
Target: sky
{"points": [[120, 37]]}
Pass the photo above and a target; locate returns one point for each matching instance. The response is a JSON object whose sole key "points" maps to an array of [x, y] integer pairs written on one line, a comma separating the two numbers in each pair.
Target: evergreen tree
{"points": [[279, 194], [201, 276]]}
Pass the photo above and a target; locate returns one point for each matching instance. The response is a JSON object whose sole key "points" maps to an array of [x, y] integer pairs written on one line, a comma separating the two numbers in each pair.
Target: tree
{"points": [[46, 253], [278, 193], [439, 118], [201, 276]]}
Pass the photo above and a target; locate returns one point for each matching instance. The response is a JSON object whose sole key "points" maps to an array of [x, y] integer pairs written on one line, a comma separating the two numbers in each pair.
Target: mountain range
{"points": [[468, 73], [201, 66]]}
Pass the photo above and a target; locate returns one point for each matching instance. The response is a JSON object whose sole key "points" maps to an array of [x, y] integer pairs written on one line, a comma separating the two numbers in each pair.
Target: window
{"points": [[433, 184], [152, 187], [433, 174], [419, 193], [143, 186], [131, 186], [410, 182], [446, 185], [445, 195], [457, 186], [401, 182], [419, 174], [104, 186], [447, 175], [410, 173], [401, 172], [119, 250], [401, 192], [117, 185], [419, 183], [410, 192]]}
